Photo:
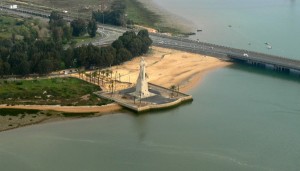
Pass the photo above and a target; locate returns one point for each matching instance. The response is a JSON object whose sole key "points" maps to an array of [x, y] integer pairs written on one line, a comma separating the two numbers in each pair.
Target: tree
{"points": [[4, 53], [68, 58], [115, 17], [45, 66], [127, 37], [79, 27], [117, 44], [135, 47], [92, 28], [109, 54], [4, 68], [23, 68], [146, 41], [56, 19], [67, 32], [143, 33], [122, 56], [57, 34]]}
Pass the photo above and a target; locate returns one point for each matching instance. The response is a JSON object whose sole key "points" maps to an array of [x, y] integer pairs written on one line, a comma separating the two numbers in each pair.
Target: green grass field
{"points": [[55, 91]]}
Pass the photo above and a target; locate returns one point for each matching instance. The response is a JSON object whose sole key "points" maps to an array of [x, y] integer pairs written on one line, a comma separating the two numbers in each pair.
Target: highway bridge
{"points": [[180, 43]]}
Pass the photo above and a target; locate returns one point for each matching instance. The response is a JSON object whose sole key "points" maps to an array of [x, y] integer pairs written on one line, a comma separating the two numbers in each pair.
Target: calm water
{"points": [[241, 118], [251, 126], [252, 21]]}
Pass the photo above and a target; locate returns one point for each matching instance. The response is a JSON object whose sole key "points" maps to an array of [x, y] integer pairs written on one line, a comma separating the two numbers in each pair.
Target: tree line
{"points": [[42, 56]]}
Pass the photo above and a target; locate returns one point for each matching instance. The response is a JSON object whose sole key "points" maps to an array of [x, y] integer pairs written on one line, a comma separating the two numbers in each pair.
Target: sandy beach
{"points": [[165, 67]]}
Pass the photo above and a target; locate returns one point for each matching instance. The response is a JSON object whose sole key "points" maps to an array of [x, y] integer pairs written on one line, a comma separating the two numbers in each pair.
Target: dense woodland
{"points": [[33, 54]]}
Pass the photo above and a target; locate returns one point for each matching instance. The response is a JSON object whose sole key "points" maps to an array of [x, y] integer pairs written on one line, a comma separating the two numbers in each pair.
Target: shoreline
{"points": [[168, 18], [166, 67]]}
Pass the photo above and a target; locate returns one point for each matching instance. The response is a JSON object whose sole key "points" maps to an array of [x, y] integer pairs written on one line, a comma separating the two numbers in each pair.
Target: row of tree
{"points": [[126, 47], [44, 56]]}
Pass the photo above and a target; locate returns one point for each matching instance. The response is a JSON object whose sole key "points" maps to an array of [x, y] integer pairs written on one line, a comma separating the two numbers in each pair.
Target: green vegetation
{"points": [[77, 115], [141, 15], [63, 91], [135, 12], [115, 16], [129, 12], [29, 53], [16, 112], [19, 28]]}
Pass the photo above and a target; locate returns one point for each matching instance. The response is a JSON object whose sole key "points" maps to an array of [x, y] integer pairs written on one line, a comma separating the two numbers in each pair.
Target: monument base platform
{"points": [[160, 98]]}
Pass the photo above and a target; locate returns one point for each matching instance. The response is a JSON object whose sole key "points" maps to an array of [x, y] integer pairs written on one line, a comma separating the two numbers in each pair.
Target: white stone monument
{"points": [[141, 89]]}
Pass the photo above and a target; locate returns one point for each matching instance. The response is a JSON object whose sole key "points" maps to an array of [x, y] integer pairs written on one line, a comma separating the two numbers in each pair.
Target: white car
{"points": [[246, 55]]}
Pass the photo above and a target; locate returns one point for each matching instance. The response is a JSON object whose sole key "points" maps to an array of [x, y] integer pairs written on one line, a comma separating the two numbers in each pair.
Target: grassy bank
{"points": [[55, 91], [141, 15]]}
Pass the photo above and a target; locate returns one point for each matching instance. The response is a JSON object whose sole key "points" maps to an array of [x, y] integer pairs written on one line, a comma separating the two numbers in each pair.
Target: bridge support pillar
{"points": [[269, 66], [296, 72]]}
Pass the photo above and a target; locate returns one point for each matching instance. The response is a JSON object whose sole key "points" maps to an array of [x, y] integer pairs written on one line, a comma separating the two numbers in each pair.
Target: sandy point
{"points": [[167, 67]]}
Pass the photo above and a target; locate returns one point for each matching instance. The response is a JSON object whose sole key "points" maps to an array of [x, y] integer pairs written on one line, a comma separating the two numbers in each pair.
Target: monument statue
{"points": [[141, 89]]}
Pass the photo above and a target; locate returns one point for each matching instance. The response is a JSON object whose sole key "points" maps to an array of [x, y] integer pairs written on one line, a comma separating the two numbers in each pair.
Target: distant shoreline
{"points": [[168, 18]]}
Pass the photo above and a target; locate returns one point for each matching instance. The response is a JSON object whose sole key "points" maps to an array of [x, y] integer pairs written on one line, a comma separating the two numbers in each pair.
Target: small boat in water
{"points": [[268, 45]]}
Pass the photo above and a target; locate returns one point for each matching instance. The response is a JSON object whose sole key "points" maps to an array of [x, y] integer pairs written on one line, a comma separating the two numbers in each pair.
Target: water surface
{"points": [[242, 118], [231, 125], [246, 24]]}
